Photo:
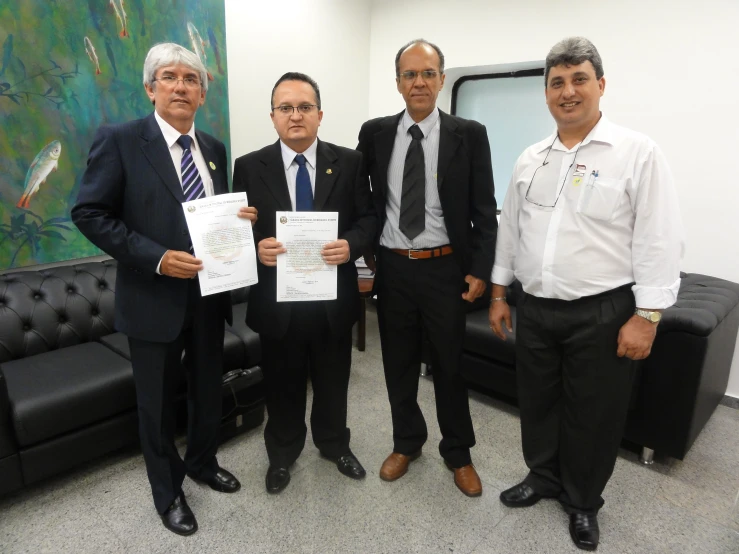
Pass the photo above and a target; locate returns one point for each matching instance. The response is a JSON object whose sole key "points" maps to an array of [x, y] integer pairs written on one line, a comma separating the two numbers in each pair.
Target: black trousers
{"points": [[417, 297], [573, 392], [309, 348], [157, 371]]}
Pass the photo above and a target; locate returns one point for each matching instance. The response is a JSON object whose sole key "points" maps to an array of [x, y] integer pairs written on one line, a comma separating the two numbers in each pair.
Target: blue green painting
{"points": [[68, 67]]}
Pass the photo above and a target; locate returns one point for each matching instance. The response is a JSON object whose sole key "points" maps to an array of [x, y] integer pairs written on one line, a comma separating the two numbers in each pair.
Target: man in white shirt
{"points": [[591, 228]]}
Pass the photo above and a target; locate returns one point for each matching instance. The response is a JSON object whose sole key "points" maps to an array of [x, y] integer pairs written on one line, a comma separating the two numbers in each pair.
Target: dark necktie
{"points": [[303, 190], [413, 196], [192, 183]]}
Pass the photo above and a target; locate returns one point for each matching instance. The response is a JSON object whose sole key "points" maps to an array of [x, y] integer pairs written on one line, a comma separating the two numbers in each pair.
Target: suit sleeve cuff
{"points": [[159, 265], [502, 276], [657, 298]]}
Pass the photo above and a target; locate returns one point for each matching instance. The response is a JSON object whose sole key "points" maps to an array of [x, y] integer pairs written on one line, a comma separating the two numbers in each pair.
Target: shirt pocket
{"points": [[601, 199]]}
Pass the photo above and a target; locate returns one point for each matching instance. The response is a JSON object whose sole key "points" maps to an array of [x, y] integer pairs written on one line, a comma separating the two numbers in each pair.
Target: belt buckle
{"points": [[411, 250]]}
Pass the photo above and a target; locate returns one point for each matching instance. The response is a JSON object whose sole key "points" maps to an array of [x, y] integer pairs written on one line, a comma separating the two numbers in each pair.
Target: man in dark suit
{"points": [[432, 186], [130, 205], [299, 172]]}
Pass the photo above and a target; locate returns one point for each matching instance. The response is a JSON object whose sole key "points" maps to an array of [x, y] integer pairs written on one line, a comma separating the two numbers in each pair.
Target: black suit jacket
{"points": [[464, 178], [130, 206], [341, 187]]}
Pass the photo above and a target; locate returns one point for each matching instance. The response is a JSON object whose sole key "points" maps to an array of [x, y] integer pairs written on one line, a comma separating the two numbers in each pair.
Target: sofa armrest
{"points": [[8, 444]]}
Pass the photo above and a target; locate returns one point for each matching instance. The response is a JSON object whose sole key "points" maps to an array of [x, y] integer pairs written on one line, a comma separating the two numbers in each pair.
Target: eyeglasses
{"points": [[303, 109], [171, 81], [426, 75], [545, 162]]}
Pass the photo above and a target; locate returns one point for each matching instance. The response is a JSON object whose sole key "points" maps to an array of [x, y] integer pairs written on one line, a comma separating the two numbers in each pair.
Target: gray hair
{"points": [[169, 53], [413, 43], [573, 51]]}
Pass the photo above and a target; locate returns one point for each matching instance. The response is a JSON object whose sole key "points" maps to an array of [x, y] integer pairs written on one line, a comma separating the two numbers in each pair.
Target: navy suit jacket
{"points": [[341, 187], [130, 206]]}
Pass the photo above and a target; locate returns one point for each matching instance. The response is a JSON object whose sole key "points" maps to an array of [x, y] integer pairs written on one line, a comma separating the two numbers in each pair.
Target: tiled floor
{"points": [[671, 507]]}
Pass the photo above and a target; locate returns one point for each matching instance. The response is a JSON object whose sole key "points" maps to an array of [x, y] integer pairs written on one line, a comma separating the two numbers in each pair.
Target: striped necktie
{"points": [[192, 183]]}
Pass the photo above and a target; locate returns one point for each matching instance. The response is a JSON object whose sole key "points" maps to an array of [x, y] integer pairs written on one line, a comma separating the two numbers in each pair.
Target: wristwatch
{"points": [[653, 317]]}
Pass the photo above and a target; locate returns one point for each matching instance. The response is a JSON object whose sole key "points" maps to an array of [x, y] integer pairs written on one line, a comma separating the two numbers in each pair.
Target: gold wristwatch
{"points": [[652, 317]]}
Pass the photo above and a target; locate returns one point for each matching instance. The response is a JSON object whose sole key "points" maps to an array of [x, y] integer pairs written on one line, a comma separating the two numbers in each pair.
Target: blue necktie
{"points": [[303, 190], [192, 184]]}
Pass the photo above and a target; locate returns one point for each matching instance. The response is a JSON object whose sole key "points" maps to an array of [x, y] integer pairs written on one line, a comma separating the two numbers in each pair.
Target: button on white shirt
{"points": [[291, 167], [617, 220]]}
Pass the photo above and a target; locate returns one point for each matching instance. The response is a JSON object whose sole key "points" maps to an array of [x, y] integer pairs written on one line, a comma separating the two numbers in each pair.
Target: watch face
{"points": [[654, 317]]}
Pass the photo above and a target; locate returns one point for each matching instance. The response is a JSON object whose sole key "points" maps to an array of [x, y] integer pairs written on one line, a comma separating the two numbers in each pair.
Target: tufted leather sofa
{"points": [[677, 387], [66, 386]]}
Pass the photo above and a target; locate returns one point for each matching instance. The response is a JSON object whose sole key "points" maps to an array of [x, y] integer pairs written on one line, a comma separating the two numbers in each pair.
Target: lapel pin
{"points": [[328, 171], [212, 166]]}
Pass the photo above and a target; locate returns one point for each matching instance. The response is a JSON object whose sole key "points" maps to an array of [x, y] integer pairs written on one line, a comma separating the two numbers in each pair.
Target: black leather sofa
{"points": [[677, 387], [67, 393]]}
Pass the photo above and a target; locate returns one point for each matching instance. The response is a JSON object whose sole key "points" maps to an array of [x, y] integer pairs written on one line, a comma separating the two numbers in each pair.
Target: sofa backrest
{"points": [[53, 308]]}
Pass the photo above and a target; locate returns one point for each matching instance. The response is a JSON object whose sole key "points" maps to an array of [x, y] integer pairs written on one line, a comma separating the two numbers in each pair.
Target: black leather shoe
{"points": [[277, 479], [179, 517], [221, 481], [520, 496], [584, 531], [350, 466]]}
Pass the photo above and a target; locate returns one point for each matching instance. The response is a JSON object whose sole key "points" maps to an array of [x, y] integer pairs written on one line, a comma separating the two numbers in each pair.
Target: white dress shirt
{"points": [[291, 167], [435, 233], [617, 220], [175, 150]]}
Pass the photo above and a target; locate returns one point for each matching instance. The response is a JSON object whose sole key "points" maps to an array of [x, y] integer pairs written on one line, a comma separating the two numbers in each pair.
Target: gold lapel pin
{"points": [[212, 166], [328, 171]]}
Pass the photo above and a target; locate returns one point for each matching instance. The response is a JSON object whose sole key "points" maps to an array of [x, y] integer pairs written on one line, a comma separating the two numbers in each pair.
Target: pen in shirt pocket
{"points": [[593, 177]]}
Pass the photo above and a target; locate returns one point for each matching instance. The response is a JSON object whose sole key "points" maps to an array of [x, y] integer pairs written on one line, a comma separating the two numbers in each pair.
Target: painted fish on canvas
{"points": [[120, 13], [44, 163], [198, 46], [90, 49]]}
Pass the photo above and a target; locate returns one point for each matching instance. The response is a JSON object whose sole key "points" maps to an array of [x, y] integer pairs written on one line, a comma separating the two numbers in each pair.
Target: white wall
{"points": [[327, 39], [672, 72]]}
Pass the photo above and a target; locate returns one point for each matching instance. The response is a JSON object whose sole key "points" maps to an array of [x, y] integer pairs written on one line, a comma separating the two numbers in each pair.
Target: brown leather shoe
{"points": [[466, 479], [396, 465]]}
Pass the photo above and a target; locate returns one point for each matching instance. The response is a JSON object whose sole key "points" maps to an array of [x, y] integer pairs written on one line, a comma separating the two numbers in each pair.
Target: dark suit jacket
{"points": [[344, 190], [464, 178], [130, 206]]}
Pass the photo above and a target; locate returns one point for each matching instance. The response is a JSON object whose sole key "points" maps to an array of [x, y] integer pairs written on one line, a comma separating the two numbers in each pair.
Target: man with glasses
{"points": [[591, 228], [300, 172], [432, 184], [130, 206]]}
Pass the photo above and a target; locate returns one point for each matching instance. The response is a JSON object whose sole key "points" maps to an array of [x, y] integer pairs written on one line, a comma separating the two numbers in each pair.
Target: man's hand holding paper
{"points": [[307, 253]]}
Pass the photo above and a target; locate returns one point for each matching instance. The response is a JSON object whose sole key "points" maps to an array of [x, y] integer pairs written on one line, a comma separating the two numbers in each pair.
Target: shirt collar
{"points": [[426, 125], [602, 132], [288, 154], [171, 134]]}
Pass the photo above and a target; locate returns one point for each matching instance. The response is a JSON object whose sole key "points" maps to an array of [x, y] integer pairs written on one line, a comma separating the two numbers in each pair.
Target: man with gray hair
{"points": [[591, 228], [130, 206]]}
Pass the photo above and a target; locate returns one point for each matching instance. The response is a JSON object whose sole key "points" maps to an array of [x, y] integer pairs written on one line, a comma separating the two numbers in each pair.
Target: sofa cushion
{"points": [[245, 333], [702, 303], [480, 339], [61, 391], [234, 352]]}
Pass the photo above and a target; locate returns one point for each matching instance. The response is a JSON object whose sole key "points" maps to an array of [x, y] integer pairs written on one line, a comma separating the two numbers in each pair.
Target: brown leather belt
{"points": [[424, 253]]}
